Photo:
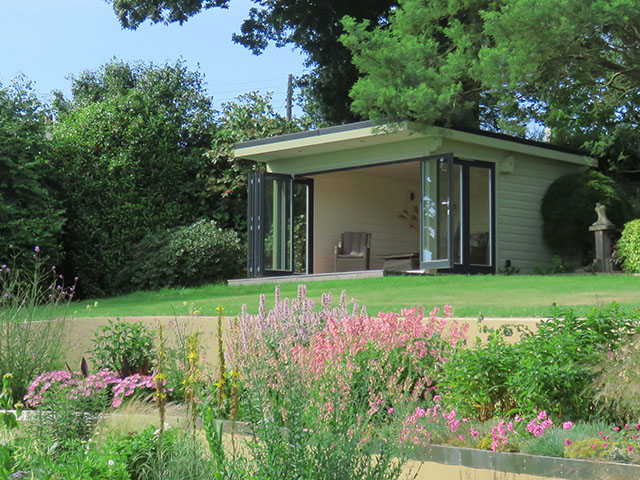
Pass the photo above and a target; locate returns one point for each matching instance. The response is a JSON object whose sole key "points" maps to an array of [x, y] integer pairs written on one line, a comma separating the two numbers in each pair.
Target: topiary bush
{"points": [[568, 209], [628, 248], [187, 256]]}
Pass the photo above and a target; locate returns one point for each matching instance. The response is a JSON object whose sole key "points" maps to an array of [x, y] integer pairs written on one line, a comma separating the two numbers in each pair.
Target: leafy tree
{"points": [[423, 64], [313, 27], [130, 151], [30, 214], [250, 117], [571, 65]]}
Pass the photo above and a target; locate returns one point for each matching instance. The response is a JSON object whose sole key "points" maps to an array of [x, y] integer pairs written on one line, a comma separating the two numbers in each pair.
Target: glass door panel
{"points": [[480, 208], [436, 219], [456, 214], [302, 227], [277, 223]]}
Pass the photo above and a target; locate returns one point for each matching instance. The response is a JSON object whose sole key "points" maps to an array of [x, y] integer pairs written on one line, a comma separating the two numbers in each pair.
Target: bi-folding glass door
{"points": [[279, 225], [457, 228]]}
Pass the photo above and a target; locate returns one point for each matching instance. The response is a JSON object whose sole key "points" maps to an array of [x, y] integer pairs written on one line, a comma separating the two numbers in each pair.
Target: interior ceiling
{"points": [[403, 171]]}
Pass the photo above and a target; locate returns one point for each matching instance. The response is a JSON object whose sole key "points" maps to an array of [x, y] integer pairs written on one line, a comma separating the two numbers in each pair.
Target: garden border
{"points": [[520, 463]]}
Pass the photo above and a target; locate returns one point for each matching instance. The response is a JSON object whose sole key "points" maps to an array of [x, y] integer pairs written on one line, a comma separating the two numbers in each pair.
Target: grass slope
{"points": [[493, 296]]}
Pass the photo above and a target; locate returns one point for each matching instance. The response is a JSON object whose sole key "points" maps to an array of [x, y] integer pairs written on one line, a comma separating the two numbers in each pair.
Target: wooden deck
{"points": [[315, 277]]}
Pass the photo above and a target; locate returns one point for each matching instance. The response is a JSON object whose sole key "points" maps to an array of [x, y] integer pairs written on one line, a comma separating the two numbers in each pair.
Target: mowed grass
{"points": [[491, 295]]}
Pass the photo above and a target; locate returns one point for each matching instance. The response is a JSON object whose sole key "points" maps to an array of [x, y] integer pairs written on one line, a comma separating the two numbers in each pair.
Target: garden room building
{"points": [[421, 197]]}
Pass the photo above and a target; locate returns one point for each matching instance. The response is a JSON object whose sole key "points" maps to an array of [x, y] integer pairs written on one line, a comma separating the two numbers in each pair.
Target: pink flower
{"points": [[542, 415], [567, 425], [627, 426], [605, 445], [390, 411], [630, 449], [461, 437], [594, 446], [616, 429], [567, 442]]}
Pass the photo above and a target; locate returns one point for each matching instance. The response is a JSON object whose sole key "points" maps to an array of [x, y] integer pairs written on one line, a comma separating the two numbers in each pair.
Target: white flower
{"points": [[111, 463]]}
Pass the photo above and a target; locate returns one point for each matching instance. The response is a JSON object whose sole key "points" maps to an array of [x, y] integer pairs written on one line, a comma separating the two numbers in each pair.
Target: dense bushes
{"points": [[29, 213], [186, 256], [568, 210], [130, 155], [550, 368], [628, 248]]}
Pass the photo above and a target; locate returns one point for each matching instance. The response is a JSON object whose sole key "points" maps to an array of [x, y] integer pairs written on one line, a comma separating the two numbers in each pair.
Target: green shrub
{"points": [[628, 248], [477, 379], [568, 209], [187, 256], [550, 368], [129, 151], [123, 346]]}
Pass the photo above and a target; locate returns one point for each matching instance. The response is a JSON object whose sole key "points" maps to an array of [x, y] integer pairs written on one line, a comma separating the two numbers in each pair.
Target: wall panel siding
{"points": [[356, 201], [518, 220]]}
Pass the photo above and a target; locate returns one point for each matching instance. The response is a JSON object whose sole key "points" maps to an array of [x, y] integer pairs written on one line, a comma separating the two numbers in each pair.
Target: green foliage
{"points": [[568, 209], [556, 360], [477, 379], [584, 86], [616, 385], [552, 443], [9, 420], [30, 293], [187, 256], [558, 265], [30, 213], [250, 117], [132, 448], [550, 368], [505, 66], [421, 64], [119, 341], [69, 416], [129, 150], [628, 247]]}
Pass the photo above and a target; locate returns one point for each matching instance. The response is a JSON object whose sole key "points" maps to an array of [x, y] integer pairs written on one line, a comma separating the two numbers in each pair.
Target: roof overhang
{"points": [[356, 135]]}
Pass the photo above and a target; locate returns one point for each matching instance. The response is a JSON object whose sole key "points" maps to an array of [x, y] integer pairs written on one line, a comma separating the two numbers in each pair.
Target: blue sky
{"points": [[47, 40]]}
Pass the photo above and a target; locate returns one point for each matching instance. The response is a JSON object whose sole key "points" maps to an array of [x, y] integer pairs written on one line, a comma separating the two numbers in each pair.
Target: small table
{"points": [[400, 262]]}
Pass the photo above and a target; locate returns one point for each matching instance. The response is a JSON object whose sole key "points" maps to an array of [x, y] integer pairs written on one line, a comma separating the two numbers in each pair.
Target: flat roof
{"points": [[324, 141], [368, 124]]}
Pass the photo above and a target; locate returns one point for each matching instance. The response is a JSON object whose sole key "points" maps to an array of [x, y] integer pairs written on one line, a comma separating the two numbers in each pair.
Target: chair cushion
{"points": [[354, 243]]}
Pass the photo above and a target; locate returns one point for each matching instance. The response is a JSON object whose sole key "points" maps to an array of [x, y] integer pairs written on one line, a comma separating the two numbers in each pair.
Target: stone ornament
{"points": [[602, 220]]}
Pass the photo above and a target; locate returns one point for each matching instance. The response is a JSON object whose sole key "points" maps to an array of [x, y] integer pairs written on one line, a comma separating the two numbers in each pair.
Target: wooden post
{"points": [[289, 95]]}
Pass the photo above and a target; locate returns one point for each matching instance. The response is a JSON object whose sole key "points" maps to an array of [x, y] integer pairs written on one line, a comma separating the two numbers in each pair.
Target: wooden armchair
{"points": [[353, 252]]}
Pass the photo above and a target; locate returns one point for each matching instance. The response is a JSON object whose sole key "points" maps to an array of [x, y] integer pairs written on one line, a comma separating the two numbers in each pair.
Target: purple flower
{"points": [[37, 249]]}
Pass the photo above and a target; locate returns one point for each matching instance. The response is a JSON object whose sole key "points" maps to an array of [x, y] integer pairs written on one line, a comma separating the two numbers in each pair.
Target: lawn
{"points": [[492, 295]]}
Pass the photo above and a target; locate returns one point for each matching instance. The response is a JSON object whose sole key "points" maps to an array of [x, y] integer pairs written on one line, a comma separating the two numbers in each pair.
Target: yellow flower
{"points": [[219, 309], [8, 375]]}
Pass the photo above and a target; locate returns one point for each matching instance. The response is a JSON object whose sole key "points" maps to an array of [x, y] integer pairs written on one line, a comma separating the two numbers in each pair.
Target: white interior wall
{"points": [[357, 200]]}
